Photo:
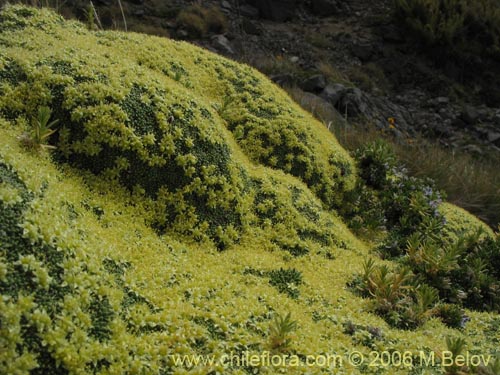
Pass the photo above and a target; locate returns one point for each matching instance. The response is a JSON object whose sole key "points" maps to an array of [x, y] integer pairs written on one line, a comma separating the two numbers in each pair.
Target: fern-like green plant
{"points": [[368, 268], [427, 298], [279, 332], [456, 346], [493, 368], [37, 138], [388, 287]]}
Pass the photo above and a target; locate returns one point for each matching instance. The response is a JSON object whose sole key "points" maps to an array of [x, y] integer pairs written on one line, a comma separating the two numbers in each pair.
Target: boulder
{"points": [[226, 5], [315, 83], [140, 13], [333, 92], [248, 11], [470, 115], [353, 103], [322, 109], [222, 44], [494, 137]]}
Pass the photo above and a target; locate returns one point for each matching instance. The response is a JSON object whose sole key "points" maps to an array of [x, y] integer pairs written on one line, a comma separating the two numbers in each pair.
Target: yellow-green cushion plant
{"points": [[143, 112]]}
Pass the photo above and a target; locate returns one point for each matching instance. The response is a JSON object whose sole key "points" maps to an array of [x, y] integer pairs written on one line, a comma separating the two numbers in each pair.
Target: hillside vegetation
{"points": [[157, 200]]}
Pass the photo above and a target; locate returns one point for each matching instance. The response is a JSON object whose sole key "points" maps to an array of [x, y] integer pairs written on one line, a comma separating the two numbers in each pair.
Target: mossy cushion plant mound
{"points": [[188, 208], [149, 113]]}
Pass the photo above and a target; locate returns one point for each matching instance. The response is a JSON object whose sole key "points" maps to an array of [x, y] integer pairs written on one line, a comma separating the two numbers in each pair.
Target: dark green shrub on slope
{"points": [[461, 36], [461, 271], [461, 28]]}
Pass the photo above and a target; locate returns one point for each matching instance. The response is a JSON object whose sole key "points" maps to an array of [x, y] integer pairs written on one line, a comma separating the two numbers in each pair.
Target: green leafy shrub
{"points": [[459, 269], [397, 296], [462, 273], [451, 315], [388, 198]]}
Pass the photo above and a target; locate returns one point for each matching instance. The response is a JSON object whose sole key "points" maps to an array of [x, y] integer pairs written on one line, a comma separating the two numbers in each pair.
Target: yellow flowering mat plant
{"points": [[185, 206]]}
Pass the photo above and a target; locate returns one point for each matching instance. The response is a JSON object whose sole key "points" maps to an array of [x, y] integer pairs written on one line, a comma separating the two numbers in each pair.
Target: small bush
{"points": [[369, 77], [462, 271], [216, 20], [387, 197], [451, 315], [199, 21], [456, 346], [332, 73], [397, 297]]}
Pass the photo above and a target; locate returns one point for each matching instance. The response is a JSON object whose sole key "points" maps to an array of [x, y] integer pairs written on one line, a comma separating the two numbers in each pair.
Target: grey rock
{"points": [[496, 119], [484, 114], [353, 103], [442, 100], [322, 109], [169, 25], [473, 149], [283, 79], [294, 59], [315, 83], [362, 51], [139, 13], [494, 137], [438, 102], [470, 115], [222, 44], [249, 11], [442, 130], [226, 5], [333, 92]]}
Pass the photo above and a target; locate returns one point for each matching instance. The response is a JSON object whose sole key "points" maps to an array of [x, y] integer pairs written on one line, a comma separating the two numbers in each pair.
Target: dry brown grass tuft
{"points": [[199, 21]]}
